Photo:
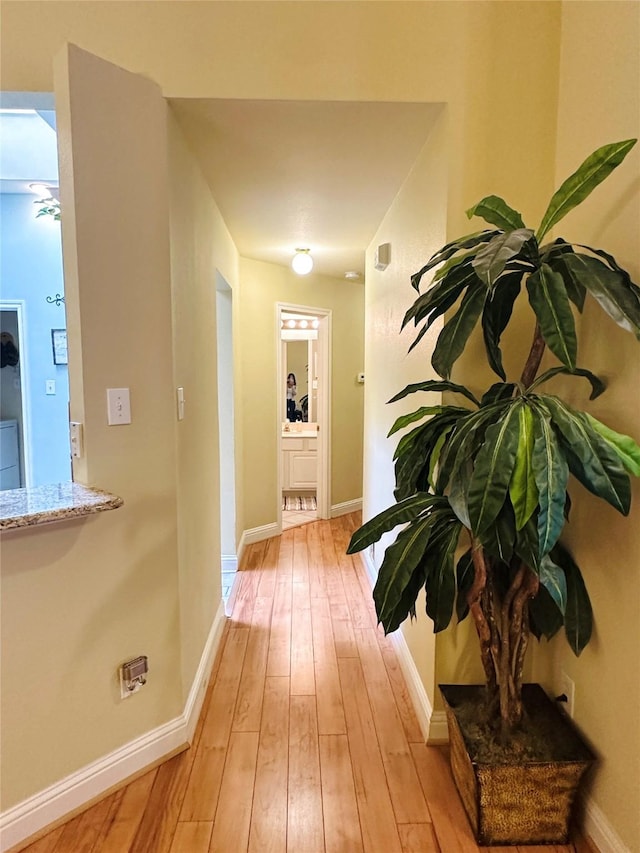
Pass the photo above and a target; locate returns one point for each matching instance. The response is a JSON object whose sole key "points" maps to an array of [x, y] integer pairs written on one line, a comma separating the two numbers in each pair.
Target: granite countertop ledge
{"points": [[20, 508]]}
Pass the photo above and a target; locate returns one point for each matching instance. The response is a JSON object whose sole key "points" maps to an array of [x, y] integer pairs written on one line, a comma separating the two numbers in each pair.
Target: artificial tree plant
{"points": [[494, 470]]}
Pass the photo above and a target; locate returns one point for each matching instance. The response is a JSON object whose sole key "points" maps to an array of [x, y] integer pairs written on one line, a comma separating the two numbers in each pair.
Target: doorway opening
{"points": [[34, 407], [224, 329], [304, 346]]}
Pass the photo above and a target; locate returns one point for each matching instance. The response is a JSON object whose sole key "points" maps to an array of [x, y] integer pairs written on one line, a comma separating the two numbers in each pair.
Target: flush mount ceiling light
{"points": [[302, 262], [43, 190], [352, 275]]}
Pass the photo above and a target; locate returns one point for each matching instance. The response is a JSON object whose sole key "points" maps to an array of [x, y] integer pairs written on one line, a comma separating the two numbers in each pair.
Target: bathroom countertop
{"points": [[20, 508]]}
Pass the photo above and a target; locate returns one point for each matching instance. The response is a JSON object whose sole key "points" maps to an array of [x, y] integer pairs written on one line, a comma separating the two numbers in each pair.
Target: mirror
{"points": [[299, 341], [297, 369]]}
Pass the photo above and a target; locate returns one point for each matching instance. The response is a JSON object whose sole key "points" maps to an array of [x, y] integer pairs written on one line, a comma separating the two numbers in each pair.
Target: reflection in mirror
{"points": [[299, 337], [297, 380]]}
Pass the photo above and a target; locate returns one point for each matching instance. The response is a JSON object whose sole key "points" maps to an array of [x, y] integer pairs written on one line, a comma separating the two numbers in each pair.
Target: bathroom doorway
{"points": [[304, 395]]}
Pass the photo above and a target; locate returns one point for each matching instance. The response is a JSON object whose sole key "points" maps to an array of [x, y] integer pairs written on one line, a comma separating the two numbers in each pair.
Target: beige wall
{"points": [[496, 66], [599, 103], [200, 245], [79, 598], [415, 226], [262, 285]]}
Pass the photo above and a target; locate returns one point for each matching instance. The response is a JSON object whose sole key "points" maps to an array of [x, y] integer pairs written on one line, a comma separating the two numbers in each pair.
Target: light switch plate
{"points": [[76, 435], [118, 406]]}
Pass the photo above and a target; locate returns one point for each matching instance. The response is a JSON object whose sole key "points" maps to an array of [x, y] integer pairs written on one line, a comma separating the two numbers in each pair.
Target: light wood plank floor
{"points": [[307, 742]]}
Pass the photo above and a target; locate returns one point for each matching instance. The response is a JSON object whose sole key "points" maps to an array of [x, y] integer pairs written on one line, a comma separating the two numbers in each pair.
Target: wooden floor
{"points": [[307, 741]]}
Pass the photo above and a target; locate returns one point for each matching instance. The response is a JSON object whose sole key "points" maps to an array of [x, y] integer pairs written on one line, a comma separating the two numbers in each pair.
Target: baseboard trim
{"points": [[200, 682], [69, 795], [599, 831], [229, 563], [421, 702], [257, 534], [346, 507]]}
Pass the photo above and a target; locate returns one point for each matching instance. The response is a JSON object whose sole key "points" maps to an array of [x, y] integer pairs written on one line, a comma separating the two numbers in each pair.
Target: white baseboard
{"points": [[70, 794], [257, 534], [346, 507], [200, 682], [600, 832], [421, 703], [229, 563]]}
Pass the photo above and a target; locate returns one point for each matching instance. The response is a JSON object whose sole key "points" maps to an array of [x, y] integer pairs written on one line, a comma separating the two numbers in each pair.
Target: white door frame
{"points": [[20, 307], [323, 491]]}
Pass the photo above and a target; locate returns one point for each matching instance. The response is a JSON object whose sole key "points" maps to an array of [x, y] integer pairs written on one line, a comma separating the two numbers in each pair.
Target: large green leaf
{"points": [[591, 459], [491, 259], [545, 617], [466, 439], [449, 250], [551, 473], [405, 606], [465, 575], [440, 585], [439, 298], [498, 391], [623, 445], [522, 487], [555, 256], [458, 492], [583, 181], [549, 300], [611, 290], [578, 614], [493, 468], [614, 266], [435, 385], [400, 560], [404, 420], [554, 581], [455, 333], [597, 385], [496, 314], [414, 451], [496, 211], [526, 545], [500, 537], [384, 521], [441, 295]]}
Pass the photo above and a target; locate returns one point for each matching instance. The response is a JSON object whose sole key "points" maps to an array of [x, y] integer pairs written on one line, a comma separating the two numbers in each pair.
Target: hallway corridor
{"points": [[307, 741]]}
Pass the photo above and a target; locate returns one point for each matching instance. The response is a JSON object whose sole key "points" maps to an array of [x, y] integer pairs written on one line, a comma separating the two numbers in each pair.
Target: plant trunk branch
{"points": [[475, 608], [534, 358]]}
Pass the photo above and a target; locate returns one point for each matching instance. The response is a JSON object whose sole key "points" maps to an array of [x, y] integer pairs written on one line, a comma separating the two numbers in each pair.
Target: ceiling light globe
{"points": [[302, 262]]}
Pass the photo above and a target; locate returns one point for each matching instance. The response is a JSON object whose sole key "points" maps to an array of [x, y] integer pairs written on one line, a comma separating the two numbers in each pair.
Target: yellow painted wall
{"points": [[200, 245], [496, 66], [415, 226], [600, 102], [81, 597], [262, 286]]}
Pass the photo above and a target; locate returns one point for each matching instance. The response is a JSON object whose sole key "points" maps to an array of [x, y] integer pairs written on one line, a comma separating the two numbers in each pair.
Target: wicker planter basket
{"points": [[519, 802]]}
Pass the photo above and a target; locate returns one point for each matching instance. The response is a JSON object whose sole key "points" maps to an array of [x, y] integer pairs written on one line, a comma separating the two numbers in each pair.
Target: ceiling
{"points": [[309, 174], [285, 174]]}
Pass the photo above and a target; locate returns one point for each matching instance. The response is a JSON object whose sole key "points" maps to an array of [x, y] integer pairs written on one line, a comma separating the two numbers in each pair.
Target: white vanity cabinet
{"points": [[9, 455], [299, 462]]}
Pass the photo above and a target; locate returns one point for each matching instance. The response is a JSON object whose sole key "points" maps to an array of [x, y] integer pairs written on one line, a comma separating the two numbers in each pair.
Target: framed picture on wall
{"points": [[59, 344]]}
